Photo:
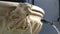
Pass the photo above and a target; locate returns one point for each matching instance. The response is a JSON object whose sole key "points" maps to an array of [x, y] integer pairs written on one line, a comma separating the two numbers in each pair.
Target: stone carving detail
{"points": [[20, 20]]}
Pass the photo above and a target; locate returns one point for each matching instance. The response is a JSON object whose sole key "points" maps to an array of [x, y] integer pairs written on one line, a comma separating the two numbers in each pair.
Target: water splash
{"points": [[56, 29]]}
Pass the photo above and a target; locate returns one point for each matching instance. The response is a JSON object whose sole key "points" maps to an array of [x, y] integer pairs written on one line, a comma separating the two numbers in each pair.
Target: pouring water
{"points": [[56, 29], [50, 23]]}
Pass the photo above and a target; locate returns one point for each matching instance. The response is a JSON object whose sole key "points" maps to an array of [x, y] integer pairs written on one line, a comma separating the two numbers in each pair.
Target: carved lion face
{"points": [[10, 16]]}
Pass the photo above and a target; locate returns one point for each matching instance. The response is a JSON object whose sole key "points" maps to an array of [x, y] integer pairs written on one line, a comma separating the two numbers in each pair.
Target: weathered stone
{"points": [[20, 19]]}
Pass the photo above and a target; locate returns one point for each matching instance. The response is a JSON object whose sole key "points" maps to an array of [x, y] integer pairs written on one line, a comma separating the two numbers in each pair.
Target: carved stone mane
{"points": [[21, 19]]}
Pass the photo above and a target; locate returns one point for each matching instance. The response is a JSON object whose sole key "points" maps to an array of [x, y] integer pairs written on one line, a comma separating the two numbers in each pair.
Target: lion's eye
{"points": [[15, 17]]}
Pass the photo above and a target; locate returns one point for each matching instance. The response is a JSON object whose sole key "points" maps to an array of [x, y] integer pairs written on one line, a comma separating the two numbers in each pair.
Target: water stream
{"points": [[56, 29]]}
